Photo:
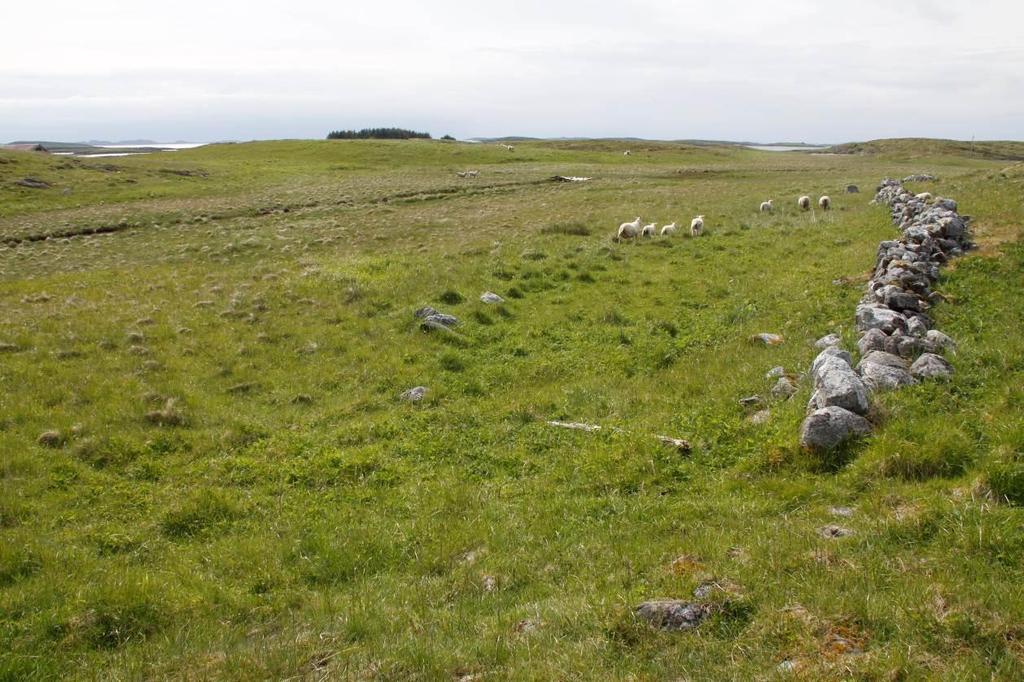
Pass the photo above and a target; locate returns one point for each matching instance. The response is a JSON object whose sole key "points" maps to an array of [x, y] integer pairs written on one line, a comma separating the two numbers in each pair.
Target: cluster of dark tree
{"points": [[376, 134]]}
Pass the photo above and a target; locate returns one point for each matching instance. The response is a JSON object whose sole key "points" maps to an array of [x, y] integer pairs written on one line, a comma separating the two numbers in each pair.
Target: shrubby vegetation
{"points": [[377, 134]]}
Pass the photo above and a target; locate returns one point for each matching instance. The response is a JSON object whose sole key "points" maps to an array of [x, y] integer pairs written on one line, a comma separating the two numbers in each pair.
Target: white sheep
{"points": [[626, 153], [766, 206], [804, 203], [697, 226], [650, 229], [825, 203], [668, 229], [629, 230], [924, 196], [508, 147]]}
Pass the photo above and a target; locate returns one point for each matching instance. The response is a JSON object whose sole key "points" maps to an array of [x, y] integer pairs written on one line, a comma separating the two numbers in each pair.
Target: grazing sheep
{"points": [[766, 206], [649, 230], [508, 147], [626, 153], [825, 203], [804, 203], [924, 196], [629, 230], [697, 226], [668, 229]]}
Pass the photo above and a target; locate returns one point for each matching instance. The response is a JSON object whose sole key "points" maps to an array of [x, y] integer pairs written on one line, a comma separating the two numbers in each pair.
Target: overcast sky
{"points": [[793, 70]]}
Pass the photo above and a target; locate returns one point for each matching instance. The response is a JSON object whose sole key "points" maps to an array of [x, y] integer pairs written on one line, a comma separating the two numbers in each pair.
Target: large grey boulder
{"points": [[837, 385], [900, 299], [883, 371], [903, 345], [931, 366], [879, 357], [916, 327], [872, 339], [827, 356], [830, 426], [878, 317]]}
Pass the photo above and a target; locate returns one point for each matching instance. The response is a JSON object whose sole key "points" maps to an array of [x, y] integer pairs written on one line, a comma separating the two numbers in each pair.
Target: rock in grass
{"points": [[760, 417], [431, 325], [775, 372], [425, 311], [828, 341], [931, 366], [767, 339], [414, 394], [833, 531], [679, 444], [852, 189], [939, 341], [51, 439], [442, 319], [784, 388], [830, 426], [491, 297], [673, 615]]}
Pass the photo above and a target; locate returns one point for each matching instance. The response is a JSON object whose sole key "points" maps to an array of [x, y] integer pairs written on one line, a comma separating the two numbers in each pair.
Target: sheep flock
{"points": [[635, 228]]}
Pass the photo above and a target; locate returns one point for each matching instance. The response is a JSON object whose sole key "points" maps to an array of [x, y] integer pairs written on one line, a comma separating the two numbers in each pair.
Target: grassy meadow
{"points": [[216, 340]]}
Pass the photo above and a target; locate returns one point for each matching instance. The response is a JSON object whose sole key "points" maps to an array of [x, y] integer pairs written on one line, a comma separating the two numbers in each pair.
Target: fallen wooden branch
{"points": [[679, 444], [576, 426]]}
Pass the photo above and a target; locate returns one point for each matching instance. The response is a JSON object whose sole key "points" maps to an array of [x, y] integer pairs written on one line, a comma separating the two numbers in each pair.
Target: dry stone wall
{"points": [[898, 343]]}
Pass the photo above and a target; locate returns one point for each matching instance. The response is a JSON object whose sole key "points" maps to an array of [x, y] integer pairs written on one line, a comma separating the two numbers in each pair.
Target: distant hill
{"points": [[84, 148], [638, 140], [98, 143], [1006, 150]]}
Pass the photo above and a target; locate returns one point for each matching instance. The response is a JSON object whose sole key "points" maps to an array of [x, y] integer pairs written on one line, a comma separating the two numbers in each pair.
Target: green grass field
{"points": [[219, 337]]}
